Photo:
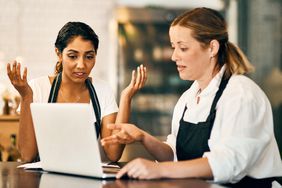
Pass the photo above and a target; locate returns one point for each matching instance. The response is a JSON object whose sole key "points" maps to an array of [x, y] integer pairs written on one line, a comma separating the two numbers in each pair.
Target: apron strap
{"points": [[55, 89], [95, 104], [221, 88]]}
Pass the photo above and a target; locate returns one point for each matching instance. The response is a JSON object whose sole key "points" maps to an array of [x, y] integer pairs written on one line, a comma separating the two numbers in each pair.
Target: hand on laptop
{"points": [[123, 133], [141, 169]]}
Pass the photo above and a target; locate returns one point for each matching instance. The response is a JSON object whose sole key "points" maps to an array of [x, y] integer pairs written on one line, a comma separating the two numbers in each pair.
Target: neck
{"points": [[68, 85], [205, 80]]}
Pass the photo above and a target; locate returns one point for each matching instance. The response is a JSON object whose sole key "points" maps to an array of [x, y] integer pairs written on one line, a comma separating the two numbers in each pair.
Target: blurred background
{"points": [[133, 33]]}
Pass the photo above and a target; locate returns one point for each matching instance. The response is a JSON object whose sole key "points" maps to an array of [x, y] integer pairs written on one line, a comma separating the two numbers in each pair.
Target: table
{"points": [[12, 177]]}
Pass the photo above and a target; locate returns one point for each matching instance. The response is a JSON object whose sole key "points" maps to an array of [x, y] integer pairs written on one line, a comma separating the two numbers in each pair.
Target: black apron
{"points": [[192, 139], [93, 96]]}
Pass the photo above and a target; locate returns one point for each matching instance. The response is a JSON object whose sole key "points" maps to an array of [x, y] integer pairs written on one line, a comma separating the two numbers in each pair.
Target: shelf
{"points": [[9, 117]]}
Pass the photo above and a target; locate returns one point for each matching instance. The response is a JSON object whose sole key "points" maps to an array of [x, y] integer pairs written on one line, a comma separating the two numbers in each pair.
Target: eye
{"points": [[72, 56], [183, 49], [89, 57]]}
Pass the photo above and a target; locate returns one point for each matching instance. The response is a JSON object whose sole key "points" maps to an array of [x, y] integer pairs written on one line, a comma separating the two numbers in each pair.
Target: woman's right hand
{"points": [[18, 81], [123, 133]]}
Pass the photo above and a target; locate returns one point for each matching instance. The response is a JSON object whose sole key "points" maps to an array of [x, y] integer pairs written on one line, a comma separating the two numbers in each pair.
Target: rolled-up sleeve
{"points": [[171, 141], [242, 129]]}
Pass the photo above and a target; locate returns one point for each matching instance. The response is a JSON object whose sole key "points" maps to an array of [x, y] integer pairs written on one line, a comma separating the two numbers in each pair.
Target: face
{"points": [[192, 60], [78, 60]]}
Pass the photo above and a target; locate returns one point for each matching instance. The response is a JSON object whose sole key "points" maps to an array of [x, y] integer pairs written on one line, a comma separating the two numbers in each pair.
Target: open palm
{"points": [[18, 81]]}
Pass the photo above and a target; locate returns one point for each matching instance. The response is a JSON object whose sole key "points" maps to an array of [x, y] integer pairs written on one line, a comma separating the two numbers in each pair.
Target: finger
{"points": [[121, 137], [113, 126], [133, 172], [145, 76], [14, 68], [25, 74], [18, 71], [122, 172], [138, 77], [9, 72], [114, 139], [133, 78], [142, 75], [109, 140]]}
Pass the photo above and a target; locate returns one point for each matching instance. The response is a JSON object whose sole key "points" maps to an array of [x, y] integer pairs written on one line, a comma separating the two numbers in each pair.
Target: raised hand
{"points": [[123, 133], [138, 80], [18, 81]]}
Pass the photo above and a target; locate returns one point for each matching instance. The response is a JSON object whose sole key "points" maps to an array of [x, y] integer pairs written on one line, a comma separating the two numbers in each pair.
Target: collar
{"points": [[212, 86]]}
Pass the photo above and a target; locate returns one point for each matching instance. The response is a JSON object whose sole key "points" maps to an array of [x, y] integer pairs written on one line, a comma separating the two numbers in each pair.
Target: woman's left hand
{"points": [[138, 80], [141, 169]]}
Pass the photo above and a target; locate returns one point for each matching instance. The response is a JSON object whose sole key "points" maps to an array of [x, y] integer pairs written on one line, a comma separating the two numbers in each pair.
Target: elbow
{"points": [[26, 156], [114, 158], [114, 153]]}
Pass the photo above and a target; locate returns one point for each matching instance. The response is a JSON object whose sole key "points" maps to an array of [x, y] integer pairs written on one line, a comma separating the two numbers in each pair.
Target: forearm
{"points": [[123, 114], [114, 151], [160, 150], [27, 142], [196, 168]]}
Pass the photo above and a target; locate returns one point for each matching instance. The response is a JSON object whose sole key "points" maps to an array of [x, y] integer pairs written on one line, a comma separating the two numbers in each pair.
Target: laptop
{"points": [[66, 139]]}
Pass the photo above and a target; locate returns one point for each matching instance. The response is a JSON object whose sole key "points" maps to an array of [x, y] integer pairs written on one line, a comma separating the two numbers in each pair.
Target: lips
{"points": [[79, 74], [180, 68]]}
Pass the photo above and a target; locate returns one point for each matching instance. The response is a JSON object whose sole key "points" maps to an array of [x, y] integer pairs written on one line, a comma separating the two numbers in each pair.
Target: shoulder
{"points": [[244, 85], [100, 85], [41, 82], [243, 89], [41, 87]]}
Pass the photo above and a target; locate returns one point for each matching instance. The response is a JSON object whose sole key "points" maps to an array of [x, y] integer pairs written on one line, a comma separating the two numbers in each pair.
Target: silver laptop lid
{"points": [[66, 138]]}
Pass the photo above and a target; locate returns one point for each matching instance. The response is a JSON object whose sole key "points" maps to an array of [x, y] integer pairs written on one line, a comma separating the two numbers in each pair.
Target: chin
{"points": [[80, 80], [185, 77]]}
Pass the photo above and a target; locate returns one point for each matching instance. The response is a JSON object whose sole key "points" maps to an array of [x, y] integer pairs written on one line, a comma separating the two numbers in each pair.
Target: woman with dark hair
{"points": [[222, 126], [76, 48]]}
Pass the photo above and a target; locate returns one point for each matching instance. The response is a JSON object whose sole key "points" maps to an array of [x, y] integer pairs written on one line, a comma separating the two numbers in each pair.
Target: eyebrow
{"points": [[182, 42], [75, 51], [179, 42]]}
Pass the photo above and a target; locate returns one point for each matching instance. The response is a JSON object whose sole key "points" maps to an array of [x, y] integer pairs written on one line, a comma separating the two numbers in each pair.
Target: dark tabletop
{"points": [[11, 176]]}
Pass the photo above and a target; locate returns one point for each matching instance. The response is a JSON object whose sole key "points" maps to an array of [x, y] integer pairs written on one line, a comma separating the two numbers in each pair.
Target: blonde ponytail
{"points": [[236, 62]]}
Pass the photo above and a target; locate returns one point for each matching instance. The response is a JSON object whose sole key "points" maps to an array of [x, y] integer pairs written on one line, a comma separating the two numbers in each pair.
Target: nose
{"points": [[174, 56], [80, 63]]}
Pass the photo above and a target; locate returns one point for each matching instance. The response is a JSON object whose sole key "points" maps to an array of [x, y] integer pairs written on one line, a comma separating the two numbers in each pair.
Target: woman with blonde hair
{"points": [[222, 126]]}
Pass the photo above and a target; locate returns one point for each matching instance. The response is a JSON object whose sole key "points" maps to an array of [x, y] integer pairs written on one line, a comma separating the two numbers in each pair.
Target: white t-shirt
{"points": [[41, 89], [242, 139]]}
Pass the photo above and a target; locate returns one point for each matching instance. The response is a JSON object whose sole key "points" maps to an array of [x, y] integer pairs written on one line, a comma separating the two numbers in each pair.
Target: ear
{"points": [[214, 47], [59, 54]]}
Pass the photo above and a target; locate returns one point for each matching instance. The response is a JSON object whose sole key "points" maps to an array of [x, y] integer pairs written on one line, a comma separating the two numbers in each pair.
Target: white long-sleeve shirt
{"points": [[242, 141]]}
